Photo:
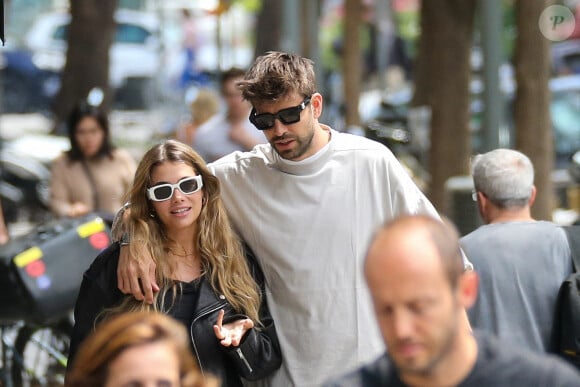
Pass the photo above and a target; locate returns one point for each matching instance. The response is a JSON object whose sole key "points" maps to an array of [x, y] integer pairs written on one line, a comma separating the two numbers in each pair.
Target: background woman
{"points": [[93, 176], [137, 349], [177, 215]]}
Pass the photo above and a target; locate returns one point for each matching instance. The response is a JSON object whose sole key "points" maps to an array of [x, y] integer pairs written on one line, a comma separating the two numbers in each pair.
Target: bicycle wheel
{"points": [[40, 355]]}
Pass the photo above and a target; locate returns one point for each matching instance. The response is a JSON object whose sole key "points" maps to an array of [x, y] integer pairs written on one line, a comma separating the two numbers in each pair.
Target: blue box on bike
{"points": [[41, 273]]}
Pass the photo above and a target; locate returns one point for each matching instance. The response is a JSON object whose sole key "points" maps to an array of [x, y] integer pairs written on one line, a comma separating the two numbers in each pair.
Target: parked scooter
{"points": [[25, 177], [390, 127], [23, 187]]}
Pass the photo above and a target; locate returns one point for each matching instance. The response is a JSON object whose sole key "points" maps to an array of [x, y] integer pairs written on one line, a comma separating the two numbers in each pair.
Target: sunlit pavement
{"points": [[134, 130]]}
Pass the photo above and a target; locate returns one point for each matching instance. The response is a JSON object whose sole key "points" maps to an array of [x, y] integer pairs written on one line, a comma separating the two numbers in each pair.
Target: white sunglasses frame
{"points": [[151, 194]]}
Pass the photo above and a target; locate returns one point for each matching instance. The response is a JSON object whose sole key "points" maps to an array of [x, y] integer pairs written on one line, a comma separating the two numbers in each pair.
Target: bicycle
{"points": [[37, 356]]}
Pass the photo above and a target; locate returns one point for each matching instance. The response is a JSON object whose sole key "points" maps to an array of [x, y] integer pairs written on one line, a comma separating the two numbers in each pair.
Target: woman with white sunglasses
{"points": [[206, 281]]}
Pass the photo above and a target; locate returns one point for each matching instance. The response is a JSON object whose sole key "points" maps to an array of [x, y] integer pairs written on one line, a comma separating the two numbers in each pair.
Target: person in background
{"points": [[521, 262], [420, 290], [137, 349], [306, 203], [189, 44], [230, 130], [205, 281], [93, 175], [204, 106]]}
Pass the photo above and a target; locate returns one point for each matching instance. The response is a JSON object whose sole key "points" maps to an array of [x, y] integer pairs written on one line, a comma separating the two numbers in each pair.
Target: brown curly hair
{"points": [[277, 74]]}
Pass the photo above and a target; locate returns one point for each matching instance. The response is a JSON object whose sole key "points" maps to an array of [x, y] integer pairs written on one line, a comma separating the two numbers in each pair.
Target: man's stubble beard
{"points": [[451, 335], [303, 144]]}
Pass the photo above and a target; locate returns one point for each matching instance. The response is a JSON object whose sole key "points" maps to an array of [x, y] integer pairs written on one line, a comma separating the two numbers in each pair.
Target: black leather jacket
{"points": [[257, 356]]}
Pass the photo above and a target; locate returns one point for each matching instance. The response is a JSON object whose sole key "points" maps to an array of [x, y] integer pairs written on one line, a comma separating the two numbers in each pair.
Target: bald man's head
{"points": [[414, 270], [414, 232]]}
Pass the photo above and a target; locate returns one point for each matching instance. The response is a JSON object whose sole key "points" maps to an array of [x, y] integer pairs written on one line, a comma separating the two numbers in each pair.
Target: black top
{"points": [[257, 356], [183, 308], [496, 365]]}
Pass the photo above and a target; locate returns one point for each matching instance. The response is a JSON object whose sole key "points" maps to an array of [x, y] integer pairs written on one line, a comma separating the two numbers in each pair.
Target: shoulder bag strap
{"points": [[93, 185]]}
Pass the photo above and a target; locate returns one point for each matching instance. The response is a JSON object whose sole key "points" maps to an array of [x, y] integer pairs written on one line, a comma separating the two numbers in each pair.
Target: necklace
{"points": [[184, 254]]}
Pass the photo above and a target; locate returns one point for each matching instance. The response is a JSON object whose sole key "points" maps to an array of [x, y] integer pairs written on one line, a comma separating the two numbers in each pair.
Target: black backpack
{"points": [[566, 329]]}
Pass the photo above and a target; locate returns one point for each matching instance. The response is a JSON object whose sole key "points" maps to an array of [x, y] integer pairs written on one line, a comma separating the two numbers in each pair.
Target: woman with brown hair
{"points": [[93, 175], [138, 348], [177, 216]]}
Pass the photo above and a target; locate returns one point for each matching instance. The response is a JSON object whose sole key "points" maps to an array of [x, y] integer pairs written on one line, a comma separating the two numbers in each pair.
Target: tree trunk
{"points": [[531, 106], [352, 61], [269, 27], [310, 13], [442, 75], [90, 35]]}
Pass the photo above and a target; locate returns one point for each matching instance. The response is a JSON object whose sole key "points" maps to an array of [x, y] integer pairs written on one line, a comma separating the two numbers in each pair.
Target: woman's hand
{"points": [[78, 209], [231, 333], [4, 236]]}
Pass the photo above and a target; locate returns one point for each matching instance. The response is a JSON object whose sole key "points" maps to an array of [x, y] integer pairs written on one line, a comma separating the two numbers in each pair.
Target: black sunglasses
{"points": [[187, 186], [287, 116]]}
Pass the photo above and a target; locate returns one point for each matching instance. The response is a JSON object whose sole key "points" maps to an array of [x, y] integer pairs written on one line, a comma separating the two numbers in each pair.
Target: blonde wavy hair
{"points": [[222, 257], [205, 105]]}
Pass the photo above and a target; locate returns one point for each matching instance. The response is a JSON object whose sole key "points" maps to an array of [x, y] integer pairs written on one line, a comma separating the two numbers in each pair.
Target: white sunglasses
{"points": [[187, 186]]}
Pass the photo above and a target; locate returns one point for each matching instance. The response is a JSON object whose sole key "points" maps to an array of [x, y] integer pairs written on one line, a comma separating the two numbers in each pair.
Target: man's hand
{"points": [[137, 276], [232, 333]]}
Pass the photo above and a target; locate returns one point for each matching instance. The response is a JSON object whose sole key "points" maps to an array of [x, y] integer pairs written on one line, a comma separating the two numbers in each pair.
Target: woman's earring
{"points": [[152, 214]]}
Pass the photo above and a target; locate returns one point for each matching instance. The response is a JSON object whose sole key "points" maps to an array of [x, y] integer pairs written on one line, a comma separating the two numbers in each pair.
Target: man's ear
{"points": [[316, 102], [467, 288], [532, 196], [483, 206]]}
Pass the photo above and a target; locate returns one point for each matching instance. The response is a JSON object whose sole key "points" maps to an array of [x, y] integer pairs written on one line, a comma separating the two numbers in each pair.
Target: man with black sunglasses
{"points": [[307, 204]]}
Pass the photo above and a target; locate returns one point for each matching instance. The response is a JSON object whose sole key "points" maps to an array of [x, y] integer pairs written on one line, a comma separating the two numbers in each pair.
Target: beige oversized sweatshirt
{"points": [[70, 183]]}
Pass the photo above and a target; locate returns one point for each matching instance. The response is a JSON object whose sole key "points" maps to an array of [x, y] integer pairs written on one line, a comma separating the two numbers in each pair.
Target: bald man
{"points": [[420, 290]]}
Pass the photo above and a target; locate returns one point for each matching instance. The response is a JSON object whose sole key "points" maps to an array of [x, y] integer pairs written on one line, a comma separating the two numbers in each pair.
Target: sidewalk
{"points": [[132, 130]]}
